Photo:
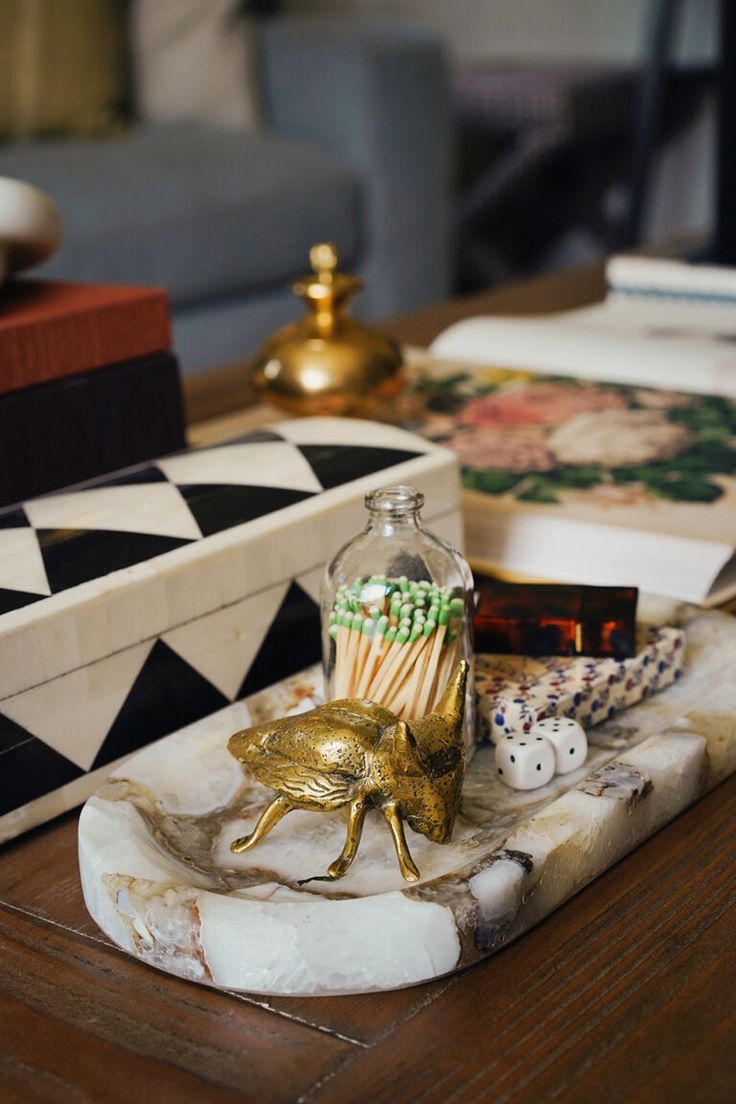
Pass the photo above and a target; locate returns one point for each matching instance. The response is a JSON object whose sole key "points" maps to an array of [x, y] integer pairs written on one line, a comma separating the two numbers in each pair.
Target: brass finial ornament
{"points": [[328, 363], [357, 753]]}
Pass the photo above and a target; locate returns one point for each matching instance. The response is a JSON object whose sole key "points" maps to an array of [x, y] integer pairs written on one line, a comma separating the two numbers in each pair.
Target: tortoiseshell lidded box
{"points": [[554, 619]]}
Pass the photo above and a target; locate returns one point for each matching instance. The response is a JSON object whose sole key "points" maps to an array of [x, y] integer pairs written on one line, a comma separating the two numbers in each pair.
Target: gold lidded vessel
{"points": [[328, 362]]}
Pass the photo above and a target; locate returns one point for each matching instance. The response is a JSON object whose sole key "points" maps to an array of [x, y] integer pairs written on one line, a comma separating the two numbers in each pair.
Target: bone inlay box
{"points": [[142, 602]]}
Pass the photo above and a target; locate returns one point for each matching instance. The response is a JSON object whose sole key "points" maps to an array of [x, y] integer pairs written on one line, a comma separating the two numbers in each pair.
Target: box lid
{"points": [[94, 569], [50, 330]]}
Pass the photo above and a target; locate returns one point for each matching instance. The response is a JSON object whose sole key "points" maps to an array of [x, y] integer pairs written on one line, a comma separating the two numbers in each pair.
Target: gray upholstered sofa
{"points": [[355, 150]]}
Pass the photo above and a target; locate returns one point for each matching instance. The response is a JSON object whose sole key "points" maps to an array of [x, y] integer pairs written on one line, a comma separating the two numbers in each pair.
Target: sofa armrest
{"points": [[375, 93]]}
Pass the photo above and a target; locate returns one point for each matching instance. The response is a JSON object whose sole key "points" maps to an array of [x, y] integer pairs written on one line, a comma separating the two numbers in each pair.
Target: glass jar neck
{"points": [[394, 508]]}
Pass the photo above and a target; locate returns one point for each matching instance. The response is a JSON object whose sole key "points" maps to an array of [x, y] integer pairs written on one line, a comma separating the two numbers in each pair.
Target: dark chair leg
{"points": [[660, 34]]}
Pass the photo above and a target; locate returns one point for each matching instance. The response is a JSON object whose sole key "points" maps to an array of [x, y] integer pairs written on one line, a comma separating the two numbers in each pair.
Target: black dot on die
{"points": [[500, 771], [523, 743], [509, 737], [539, 738], [539, 766], [513, 758], [572, 751]]}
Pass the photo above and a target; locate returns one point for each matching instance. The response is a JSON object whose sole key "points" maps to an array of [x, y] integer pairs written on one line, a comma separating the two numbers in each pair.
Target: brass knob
{"points": [[328, 363], [323, 259]]}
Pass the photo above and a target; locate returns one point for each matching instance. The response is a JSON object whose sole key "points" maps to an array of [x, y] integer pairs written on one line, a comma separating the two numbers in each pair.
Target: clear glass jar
{"points": [[396, 611]]}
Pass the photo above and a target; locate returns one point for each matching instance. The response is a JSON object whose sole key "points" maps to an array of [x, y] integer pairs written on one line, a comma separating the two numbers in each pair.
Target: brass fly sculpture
{"points": [[357, 753]]}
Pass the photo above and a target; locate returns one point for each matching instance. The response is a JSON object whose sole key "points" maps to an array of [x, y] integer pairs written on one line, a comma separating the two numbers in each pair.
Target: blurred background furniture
{"points": [[725, 236], [577, 128], [557, 160], [353, 147]]}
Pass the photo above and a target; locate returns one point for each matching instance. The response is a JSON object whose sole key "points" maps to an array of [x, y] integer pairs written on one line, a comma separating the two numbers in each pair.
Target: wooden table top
{"points": [[625, 994]]}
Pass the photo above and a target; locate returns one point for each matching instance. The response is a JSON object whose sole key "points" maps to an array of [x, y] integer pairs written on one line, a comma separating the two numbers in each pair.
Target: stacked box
{"points": [[513, 692], [87, 383], [81, 426], [142, 602]]}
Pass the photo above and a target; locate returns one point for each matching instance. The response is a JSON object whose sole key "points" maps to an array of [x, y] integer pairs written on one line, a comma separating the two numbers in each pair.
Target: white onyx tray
{"points": [[160, 880]]}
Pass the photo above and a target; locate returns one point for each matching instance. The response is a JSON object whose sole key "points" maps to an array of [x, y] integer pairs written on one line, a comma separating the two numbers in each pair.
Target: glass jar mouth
{"points": [[394, 501]]}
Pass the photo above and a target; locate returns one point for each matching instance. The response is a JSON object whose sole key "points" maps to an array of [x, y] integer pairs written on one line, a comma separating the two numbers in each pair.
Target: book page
{"points": [[683, 348], [538, 545], [650, 277]]}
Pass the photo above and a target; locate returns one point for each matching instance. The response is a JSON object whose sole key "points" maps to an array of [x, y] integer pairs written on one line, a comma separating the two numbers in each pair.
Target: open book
{"points": [[592, 449], [662, 324]]}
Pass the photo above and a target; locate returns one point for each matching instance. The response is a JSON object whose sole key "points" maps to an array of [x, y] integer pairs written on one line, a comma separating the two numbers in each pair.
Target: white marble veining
{"points": [[159, 877]]}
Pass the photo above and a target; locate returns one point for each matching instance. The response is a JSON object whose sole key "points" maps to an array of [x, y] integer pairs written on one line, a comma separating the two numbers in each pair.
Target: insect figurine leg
{"points": [[269, 819], [407, 864], [358, 809]]}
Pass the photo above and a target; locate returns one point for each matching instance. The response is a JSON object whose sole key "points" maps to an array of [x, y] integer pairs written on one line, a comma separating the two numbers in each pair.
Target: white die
{"points": [[568, 740], [525, 762]]}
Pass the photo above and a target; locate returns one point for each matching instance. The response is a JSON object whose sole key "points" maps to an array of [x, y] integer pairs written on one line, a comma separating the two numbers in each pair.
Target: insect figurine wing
{"points": [[356, 753], [316, 759]]}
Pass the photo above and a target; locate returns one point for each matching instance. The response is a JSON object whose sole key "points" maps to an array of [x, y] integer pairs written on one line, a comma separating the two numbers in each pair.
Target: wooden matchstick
{"points": [[441, 617], [372, 657], [392, 641], [366, 638], [390, 661], [417, 643], [405, 686]]}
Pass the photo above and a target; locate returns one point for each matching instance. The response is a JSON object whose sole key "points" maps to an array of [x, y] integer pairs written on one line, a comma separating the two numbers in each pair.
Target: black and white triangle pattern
{"points": [[51, 544], [56, 733]]}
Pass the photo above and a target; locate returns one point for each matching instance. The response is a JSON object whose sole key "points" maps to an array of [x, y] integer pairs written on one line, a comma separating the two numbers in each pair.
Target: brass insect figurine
{"points": [[357, 753]]}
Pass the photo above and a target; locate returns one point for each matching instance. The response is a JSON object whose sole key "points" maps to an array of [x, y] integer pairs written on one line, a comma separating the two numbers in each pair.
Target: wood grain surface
{"points": [[625, 994]]}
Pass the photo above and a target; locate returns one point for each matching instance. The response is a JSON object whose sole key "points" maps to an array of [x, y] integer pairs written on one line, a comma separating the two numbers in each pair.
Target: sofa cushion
{"points": [[195, 61], [199, 210]]}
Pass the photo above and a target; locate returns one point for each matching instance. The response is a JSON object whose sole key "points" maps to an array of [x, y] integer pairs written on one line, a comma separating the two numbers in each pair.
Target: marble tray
{"points": [[160, 880]]}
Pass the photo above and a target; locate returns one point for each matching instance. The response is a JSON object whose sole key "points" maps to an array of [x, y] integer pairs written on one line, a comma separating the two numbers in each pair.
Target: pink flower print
{"points": [[540, 404], [512, 449]]}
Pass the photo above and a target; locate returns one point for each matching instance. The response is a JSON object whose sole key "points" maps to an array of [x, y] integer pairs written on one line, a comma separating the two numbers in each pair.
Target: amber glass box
{"points": [[554, 619]]}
